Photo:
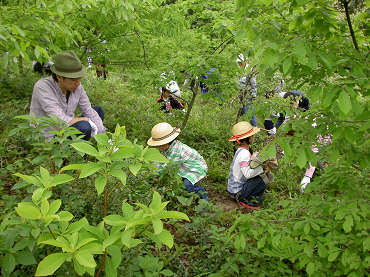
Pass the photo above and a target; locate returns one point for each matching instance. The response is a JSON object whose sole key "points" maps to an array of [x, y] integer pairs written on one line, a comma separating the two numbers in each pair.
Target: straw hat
{"points": [[163, 133], [243, 130], [68, 65]]}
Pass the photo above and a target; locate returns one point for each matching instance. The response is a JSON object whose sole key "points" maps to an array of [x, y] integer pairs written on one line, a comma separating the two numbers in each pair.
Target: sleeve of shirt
{"points": [[86, 109], [247, 171], [44, 94]]}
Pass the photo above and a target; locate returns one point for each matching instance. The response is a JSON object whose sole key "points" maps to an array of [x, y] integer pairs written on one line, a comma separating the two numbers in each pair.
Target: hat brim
{"points": [[255, 130], [154, 142], [77, 74]]}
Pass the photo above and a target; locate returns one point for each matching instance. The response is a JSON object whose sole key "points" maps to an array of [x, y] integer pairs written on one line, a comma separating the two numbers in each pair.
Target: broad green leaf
{"points": [[80, 269], [321, 249], [273, 57], [115, 220], [45, 175], [85, 148], [301, 159], [85, 258], [29, 212], [134, 222], [60, 179], [333, 256], [174, 214], [286, 64], [64, 216], [30, 179], [84, 242], [54, 206], [44, 206], [310, 268], [344, 102], [76, 226], [110, 269], [153, 155], [134, 168], [120, 175], [95, 230], [111, 239], [89, 169], [51, 263], [124, 152], [57, 242], [25, 258], [138, 150], [155, 202], [312, 61], [93, 248], [301, 2], [100, 183], [102, 139], [72, 166], [126, 237], [115, 254], [157, 225], [366, 244], [127, 210], [8, 263], [348, 223], [166, 238]]}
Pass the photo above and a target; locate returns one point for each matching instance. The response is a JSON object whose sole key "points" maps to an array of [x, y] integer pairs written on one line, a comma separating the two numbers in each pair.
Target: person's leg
{"points": [[195, 188], [84, 127], [100, 112], [248, 105], [252, 191]]}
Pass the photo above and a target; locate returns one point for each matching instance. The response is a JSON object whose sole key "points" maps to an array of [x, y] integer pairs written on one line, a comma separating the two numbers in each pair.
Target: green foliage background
{"points": [[311, 44]]}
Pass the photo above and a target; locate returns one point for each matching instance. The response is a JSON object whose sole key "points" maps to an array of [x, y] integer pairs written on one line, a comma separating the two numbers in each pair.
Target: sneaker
{"points": [[253, 207], [249, 207]]}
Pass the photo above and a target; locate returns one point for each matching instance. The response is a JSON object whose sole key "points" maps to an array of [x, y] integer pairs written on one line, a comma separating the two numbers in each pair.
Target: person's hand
{"points": [[94, 128], [267, 170], [272, 131]]}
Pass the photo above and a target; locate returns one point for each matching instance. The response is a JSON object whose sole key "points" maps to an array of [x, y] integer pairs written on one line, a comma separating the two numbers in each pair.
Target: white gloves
{"points": [[305, 181], [272, 131], [94, 129]]}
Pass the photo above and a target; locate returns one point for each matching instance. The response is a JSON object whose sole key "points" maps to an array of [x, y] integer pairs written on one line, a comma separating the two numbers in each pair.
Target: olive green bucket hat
{"points": [[68, 65]]}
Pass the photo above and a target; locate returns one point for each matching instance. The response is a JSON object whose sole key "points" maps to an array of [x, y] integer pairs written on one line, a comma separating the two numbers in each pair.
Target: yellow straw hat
{"points": [[242, 130], [163, 133]]}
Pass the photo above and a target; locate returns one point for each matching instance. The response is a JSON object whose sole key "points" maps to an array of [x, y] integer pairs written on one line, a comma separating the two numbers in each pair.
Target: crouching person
{"points": [[192, 166], [62, 93], [248, 175]]}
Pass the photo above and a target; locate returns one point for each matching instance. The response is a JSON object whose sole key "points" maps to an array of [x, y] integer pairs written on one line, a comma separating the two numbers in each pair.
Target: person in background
{"points": [[192, 166], [168, 102], [62, 93], [297, 101], [244, 81]]}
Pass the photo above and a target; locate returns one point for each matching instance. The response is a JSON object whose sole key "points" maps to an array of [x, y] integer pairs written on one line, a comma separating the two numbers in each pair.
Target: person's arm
{"points": [[49, 100], [247, 171], [77, 119], [86, 109]]}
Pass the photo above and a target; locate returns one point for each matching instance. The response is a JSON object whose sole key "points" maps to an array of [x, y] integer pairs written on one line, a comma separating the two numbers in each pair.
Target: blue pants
{"points": [[84, 126], [245, 111], [195, 188], [252, 191]]}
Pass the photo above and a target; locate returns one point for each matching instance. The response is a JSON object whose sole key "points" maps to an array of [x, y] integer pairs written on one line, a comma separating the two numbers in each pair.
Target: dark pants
{"points": [[195, 188], [84, 126], [252, 191]]}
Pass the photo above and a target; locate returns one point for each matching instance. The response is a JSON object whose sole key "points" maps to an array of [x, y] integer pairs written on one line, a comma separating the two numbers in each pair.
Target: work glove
{"points": [[94, 128]]}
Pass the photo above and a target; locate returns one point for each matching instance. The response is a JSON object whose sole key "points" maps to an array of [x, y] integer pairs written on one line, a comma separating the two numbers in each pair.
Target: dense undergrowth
{"points": [[324, 232]]}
